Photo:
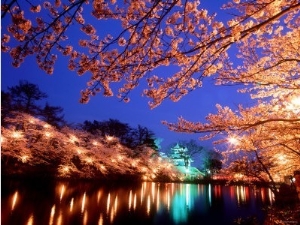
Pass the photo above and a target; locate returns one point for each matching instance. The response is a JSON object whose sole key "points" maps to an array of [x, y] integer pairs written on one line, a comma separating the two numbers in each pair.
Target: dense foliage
{"points": [[32, 147]]}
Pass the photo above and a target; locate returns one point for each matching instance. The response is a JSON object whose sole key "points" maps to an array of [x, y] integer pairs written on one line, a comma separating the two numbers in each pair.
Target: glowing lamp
{"points": [[17, 134], [233, 141]]}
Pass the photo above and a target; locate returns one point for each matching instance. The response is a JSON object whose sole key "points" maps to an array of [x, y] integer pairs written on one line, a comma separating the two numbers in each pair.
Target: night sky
{"points": [[63, 89]]}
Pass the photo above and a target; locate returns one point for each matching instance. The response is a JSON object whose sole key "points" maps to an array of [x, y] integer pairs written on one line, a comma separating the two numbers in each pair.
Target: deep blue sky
{"points": [[63, 89]]}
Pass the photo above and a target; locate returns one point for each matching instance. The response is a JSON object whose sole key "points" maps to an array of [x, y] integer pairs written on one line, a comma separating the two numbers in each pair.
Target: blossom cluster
{"points": [[28, 142], [151, 35]]}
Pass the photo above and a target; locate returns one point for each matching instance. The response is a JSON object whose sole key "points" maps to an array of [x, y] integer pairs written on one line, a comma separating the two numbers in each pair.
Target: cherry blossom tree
{"points": [[32, 147], [151, 35], [181, 34]]}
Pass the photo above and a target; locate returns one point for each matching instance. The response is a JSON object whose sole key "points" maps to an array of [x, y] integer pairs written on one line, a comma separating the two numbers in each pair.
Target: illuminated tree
{"points": [[32, 147], [155, 34], [268, 133]]}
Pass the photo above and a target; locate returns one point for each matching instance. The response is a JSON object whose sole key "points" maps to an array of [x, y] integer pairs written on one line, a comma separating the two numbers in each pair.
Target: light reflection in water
{"points": [[71, 204], [62, 192], [14, 201], [99, 196], [148, 205], [30, 220], [158, 201], [85, 217], [134, 202], [83, 202], [104, 205], [108, 203], [59, 219], [271, 196], [209, 194], [116, 204], [130, 200], [182, 202], [52, 213], [100, 221]]}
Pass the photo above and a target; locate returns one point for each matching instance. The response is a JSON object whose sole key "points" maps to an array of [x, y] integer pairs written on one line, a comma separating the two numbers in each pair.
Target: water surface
{"points": [[88, 203]]}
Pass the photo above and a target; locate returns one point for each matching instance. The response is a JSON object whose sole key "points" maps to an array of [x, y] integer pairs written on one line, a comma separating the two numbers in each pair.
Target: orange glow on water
{"points": [[14, 200], [52, 213], [83, 202], [30, 220], [71, 204], [62, 191]]}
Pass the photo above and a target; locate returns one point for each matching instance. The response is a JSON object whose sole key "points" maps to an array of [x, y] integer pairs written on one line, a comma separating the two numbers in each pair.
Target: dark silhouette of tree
{"points": [[192, 146], [92, 127], [128, 136], [25, 96], [6, 106], [53, 115], [212, 162], [143, 136]]}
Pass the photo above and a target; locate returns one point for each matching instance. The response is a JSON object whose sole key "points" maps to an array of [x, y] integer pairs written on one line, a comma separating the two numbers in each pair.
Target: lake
{"points": [[88, 203]]}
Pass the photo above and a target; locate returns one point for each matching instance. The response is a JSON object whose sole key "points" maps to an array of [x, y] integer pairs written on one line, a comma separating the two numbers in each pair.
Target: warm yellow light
{"points": [[102, 167], [95, 143], [46, 126], [296, 101], [73, 138], [47, 134], [14, 201], [294, 105], [17, 134], [65, 169], [62, 191], [282, 159], [89, 160], [83, 202], [100, 221], [52, 213], [24, 158], [30, 220], [71, 204], [79, 151], [110, 138], [233, 140]]}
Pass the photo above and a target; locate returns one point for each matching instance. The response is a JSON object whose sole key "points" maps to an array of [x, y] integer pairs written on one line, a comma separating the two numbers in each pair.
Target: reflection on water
{"points": [[145, 203]]}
